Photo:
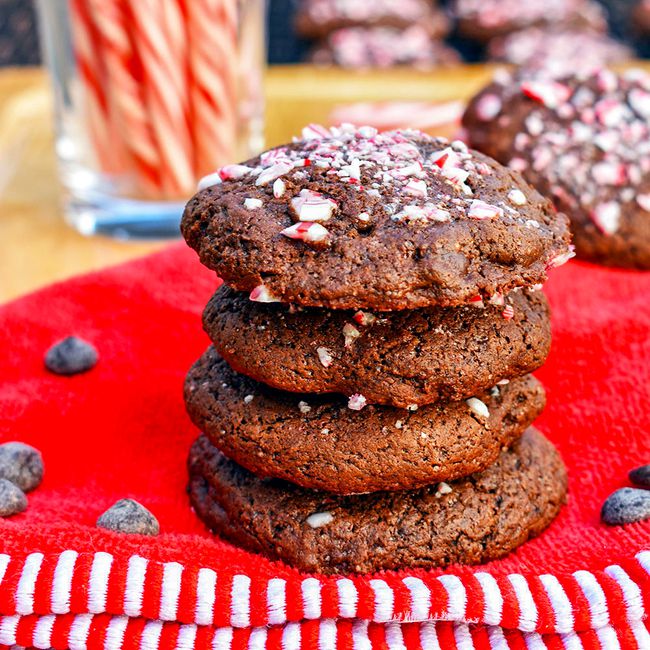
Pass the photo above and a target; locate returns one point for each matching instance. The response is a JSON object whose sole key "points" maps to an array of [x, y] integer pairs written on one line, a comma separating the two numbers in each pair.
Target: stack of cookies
{"points": [[367, 402]]}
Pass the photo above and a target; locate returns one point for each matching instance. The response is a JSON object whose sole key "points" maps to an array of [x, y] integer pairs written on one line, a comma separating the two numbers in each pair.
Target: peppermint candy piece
{"points": [[416, 188], [478, 407], [233, 172], [324, 356], [517, 197], [488, 107], [481, 210], [268, 175], [350, 333], [315, 132], [364, 318], [561, 259], [607, 217], [253, 204], [279, 188], [644, 201], [498, 299], [508, 312], [357, 402], [262, 293], [313, 206], [209, 181], [549, 93], [307, 232]]}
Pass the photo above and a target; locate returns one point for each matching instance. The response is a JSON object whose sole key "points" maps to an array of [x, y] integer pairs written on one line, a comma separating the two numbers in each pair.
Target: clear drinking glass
{"points": [[150, 95]]}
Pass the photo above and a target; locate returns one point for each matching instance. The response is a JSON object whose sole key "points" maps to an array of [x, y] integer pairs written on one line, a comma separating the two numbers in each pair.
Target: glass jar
{"points": [[150, 96]]}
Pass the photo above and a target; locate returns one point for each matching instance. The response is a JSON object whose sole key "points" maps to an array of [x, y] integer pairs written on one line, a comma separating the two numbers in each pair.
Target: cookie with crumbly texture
{"points": [[473, 520], [483, 20], [585, 142], [322, 442], [318, 18], [383, 47], [397, 358], [350, 219]]}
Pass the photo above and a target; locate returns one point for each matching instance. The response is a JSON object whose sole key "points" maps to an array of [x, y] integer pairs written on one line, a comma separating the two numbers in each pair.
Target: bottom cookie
{"points": [[472, 520]]}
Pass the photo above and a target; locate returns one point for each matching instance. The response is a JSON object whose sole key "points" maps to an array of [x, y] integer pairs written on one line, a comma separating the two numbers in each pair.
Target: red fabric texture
{"points": [[120, 430]]}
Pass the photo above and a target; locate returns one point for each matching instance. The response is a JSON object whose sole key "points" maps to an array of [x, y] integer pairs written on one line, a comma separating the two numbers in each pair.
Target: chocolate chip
{"points": [[12, 499], [22, 465], [626, 506], [128, 516], [641, 476], [71, 356]]}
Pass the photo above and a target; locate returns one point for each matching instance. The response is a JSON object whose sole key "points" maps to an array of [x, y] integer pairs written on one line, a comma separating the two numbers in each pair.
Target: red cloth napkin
{"points": [[121, 431]]}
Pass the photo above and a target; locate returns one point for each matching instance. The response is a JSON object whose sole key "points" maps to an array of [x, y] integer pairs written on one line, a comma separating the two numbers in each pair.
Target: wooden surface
{"points": [[37, 247]]}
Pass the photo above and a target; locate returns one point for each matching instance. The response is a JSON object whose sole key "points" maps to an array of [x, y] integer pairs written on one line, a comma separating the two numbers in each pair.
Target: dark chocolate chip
{"points": [[22, 465], [71, 356], [12, 499], [626, 506], [128, 516], [641, 476]]}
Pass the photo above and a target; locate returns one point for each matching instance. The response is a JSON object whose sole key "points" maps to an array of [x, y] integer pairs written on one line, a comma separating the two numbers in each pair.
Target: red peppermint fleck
{"points": [[481, 210], [262, 293], [610, 112], [476, 301], [364, 318], [549, 93], [280, 168], [233, 172], [497, 299], [357, 402], [416, 188], [609, 173], [313, 206], [306, 231], [508, 312]]}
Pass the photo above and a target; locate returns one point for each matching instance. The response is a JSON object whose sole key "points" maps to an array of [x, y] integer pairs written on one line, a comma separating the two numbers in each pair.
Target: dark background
{"points": [[19, 40]]}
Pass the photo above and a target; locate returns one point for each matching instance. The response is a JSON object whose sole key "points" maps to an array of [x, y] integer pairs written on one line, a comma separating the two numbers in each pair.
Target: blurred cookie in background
{"points": [[558, 51], [383, 47], [318, 18], [641, 17], [483, 20]]}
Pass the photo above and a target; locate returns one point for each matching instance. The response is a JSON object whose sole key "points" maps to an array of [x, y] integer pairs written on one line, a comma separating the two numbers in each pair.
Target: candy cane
{"points": [[165, 100], [125, 100], [213, 50]]}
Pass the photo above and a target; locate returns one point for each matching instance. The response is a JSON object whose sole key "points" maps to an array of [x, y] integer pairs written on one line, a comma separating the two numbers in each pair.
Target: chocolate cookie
{"points": [[476, 519], [351, 219], [329, 444], [383, 47], [485, 19], [396, 358], [318, 18], [558, 51], [585, 142]]}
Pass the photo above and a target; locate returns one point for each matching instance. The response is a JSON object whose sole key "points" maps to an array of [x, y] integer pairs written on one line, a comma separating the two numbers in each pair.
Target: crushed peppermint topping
{"points": [[357, 402], [303, 407], [234, 172], [248, 399], [253, 204], [548, 92], [498, 299], [517, 197], [208, 181], [478, 407], [313, 206], [481, 210], [279, 188], [488, 107], [364, 318], [562, 258], [442, 489], [350, 334], [607, 217], [319, 519], [262, 294], [324, 356], [307, 232], [508, 312]]}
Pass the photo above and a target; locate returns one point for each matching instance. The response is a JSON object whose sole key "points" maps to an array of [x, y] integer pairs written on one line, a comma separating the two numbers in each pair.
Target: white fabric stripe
{"points": [[134, 590], [170, 591], [115, 633], [527, 607], [78, 635], [463, 637], [311, 599], [186, 637], [497, 640], [27, 584], [394, 637], [62, 582], [608, 638], [150, 638], [429, 636], [534, 641], [384, 601], [641, 634], [562, 608], [257, 639], [291, 637], [240, 601], [206, 586], [492, 597], [571, 641], [348, 598], [643, 558], [42, 637], [360, 640], [595, 595], [276, 601], [457, 597], [631, 592], [4, 563], [100, 572], [222, 639], [327, 635], [8, 625], [420, 598]]}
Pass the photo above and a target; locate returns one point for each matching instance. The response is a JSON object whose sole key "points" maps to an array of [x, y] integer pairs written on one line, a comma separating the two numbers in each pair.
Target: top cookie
{"points": [[585, 142], [348, 218], [317, 18]]}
